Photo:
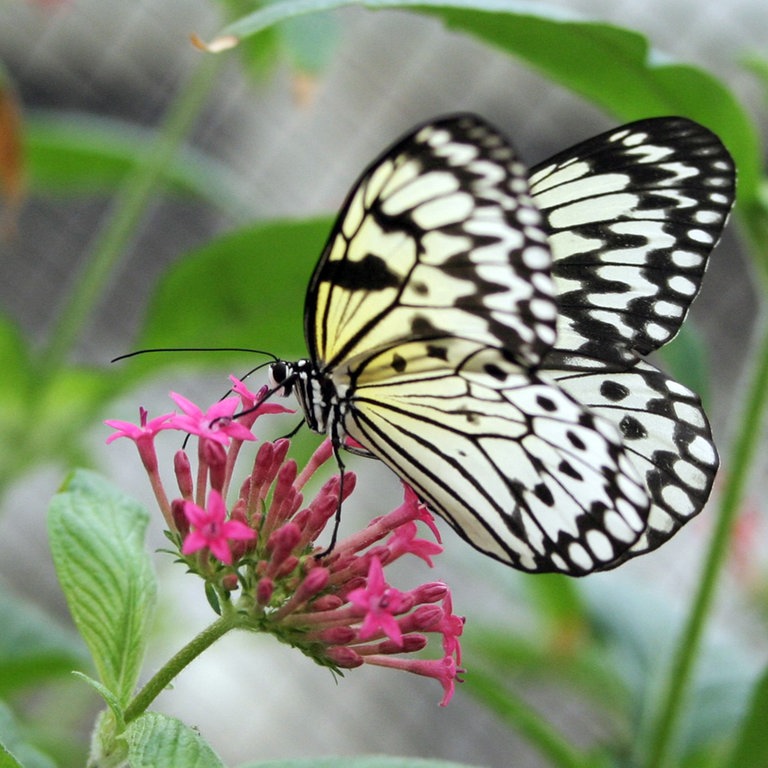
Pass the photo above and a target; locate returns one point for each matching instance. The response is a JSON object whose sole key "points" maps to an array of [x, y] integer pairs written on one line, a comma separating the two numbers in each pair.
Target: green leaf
{"points": [[751, 749], [32, 646], [613, 67], [15, 751], [158, 741], [638, 628], [97, 537], [244, 289], [86, 154], [310, 42], [365, 761], [7, 760]]}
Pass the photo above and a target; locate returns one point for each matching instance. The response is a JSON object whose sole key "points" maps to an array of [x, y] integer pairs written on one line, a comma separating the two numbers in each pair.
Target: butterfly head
{"points": [[310, 388], [281, 377]]}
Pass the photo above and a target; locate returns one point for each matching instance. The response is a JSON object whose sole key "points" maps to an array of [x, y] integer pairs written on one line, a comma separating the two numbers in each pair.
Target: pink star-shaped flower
{"points": [[143, 430], [215, 424], [404, 540], [211, 530], [381, 603], [256, 400]]}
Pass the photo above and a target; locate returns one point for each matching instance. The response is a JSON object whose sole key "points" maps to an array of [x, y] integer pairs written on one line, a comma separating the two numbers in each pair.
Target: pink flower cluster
{"points": [[262, 557]]}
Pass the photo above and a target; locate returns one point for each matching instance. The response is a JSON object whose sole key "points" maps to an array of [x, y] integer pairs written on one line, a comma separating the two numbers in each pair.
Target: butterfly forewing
{"points": [[437, 238], [632, 216]]}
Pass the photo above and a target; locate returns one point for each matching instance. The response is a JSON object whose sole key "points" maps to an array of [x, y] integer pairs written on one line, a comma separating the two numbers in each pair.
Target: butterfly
{"points": [[482, 329]]}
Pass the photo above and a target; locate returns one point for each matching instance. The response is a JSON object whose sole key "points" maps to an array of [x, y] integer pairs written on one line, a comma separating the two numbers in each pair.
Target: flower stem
{"points": [[131, 201], [741, 457], [179, 661]]}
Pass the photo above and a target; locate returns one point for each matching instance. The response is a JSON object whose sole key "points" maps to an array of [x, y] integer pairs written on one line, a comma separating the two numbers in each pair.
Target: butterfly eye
{"points": [[277, 376]]}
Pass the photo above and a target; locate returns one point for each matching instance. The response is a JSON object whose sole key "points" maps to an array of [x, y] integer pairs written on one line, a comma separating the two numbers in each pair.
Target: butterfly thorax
{"points": [[317, 394]]}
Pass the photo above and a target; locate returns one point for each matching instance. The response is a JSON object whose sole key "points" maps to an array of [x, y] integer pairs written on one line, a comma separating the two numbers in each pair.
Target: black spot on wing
{"points": [[632, 429], [546, 403], [369, 273], [613, 391], [495, 371], [437, 352], [398, 363], [544, 494]]}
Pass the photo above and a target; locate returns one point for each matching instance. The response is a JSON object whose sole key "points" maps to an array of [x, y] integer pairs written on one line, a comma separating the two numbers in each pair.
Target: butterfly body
{"points": [[505, 387]]}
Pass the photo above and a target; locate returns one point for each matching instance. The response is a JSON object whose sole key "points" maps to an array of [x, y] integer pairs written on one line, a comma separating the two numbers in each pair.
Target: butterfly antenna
{"points": [[138, 352]]}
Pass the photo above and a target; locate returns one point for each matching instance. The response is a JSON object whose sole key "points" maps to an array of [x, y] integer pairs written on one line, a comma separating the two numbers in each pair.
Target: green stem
{"points": [[164, 676], [132, 200], [740, 461], [519, 715]]}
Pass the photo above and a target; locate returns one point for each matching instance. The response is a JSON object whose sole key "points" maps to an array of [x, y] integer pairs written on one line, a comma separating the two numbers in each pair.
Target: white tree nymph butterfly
{"points": [[481, 329]]}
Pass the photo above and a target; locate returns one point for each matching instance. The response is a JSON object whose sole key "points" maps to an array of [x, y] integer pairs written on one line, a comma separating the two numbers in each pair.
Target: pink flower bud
{"points": [[431, 592], [344, 657], [230, 582], [264, 591], [281, 543], [327, 603], [424, 618], [183, 473], [337, 635], [315, 581], [180, 521]]}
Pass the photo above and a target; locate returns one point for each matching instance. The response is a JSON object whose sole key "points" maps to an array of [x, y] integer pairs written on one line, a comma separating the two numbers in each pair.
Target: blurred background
{"points": [[287, 140]]}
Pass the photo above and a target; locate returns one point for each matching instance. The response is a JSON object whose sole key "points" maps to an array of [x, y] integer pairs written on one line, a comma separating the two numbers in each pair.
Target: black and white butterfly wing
{"points": [[666, 436], [632, 216], [437, 238], [518, 467], [429, 308]]}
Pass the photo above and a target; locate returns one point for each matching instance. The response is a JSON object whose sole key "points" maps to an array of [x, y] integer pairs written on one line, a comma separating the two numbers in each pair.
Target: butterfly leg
{"points": [[336, 442]]}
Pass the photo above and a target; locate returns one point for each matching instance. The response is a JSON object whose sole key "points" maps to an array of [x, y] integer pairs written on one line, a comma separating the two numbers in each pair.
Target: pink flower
{"points": [[210, 529], [381, 603], [143, 431], [269, 553], [254, 401], [404, 541], [143, 435], [215, 424]]}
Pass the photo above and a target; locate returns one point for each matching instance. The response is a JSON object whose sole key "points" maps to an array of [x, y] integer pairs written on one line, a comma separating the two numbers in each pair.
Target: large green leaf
{"points": [[613, 67], [15, 750], [244, 289], [97, 540], [637, 628], [32, 646], [158, 741]]}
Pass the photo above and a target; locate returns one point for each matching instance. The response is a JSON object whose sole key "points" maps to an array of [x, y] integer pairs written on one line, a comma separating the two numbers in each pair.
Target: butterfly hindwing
{"points": [[632, 216], [517, 466], [666, 436], [437, 238]]}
